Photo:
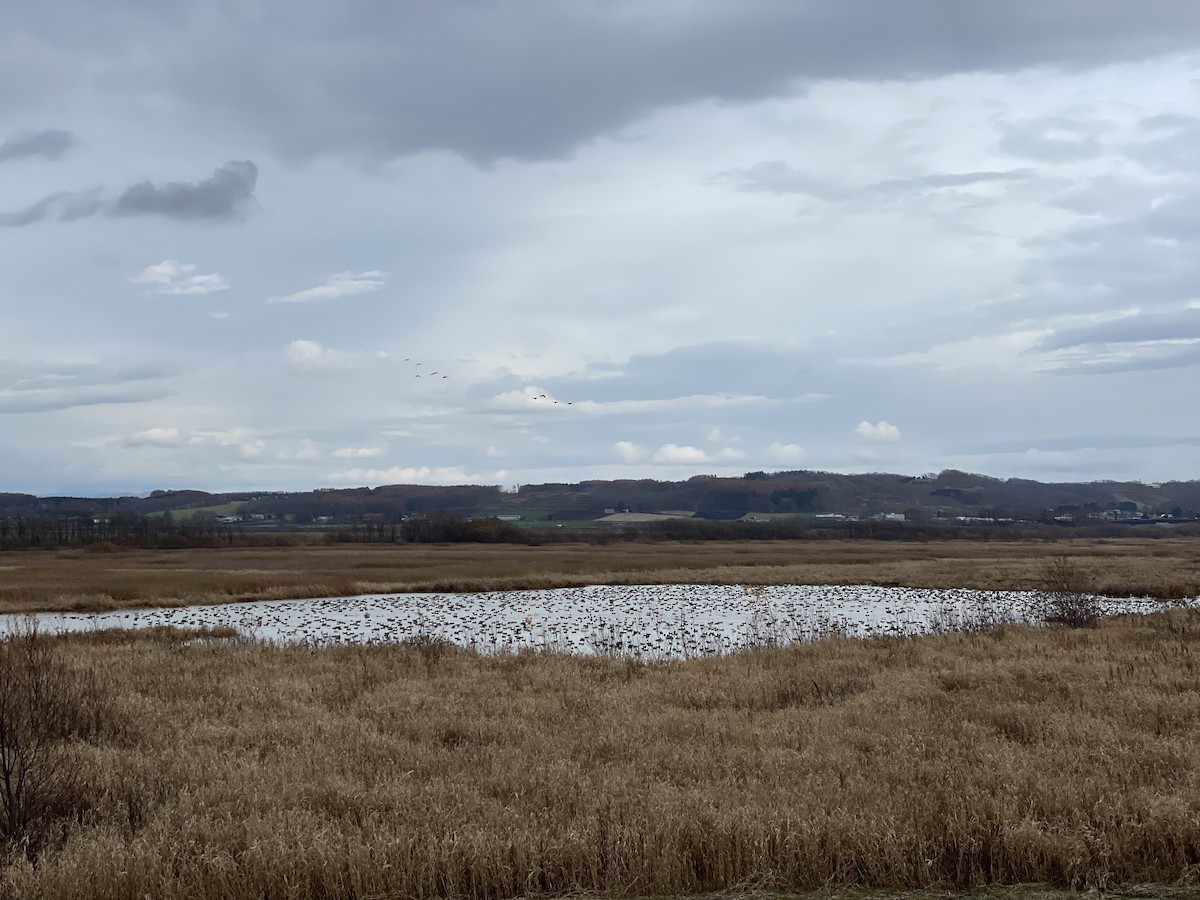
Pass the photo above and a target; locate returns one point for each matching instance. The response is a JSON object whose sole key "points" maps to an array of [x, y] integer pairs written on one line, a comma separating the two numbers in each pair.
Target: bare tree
{"points": [[45, 708]]}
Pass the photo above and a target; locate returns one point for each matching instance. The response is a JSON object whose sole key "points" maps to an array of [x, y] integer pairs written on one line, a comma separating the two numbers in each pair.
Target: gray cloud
{"points": [[774, 176], [493, 82], [952, 180], [1053, 139], [1148, 361], [38, 387], [61, 206], [778, 177], [1140, 250], [50, 143], [1144, 341], [1166, 122], [712, 368], [223, 196], [1183, 324], [1172, 147], [1113, 441], [1107, 195]]}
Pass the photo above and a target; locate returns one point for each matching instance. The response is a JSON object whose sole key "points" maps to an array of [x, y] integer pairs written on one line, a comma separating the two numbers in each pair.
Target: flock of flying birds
{"points": [[435, 373], [427, 374]]}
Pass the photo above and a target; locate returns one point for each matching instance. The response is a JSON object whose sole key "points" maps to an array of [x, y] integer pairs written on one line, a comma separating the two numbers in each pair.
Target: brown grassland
{"points": [[1015, 762], [223, 768], [89, 580]]}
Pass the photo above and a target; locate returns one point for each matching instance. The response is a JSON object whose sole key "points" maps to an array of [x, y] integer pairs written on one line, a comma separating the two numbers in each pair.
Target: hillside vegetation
{"points": [[950, 493]]}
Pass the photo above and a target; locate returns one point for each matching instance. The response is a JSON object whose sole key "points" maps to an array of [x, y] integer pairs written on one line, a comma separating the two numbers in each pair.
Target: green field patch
{"points": [[188, 512], [527, 514]]}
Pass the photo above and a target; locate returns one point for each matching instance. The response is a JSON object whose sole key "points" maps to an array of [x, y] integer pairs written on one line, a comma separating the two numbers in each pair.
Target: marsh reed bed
{"points": [[224, 767], [82, 580]]}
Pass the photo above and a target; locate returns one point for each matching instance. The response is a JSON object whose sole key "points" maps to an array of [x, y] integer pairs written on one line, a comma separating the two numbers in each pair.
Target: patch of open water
{"points": [[648, 621]]}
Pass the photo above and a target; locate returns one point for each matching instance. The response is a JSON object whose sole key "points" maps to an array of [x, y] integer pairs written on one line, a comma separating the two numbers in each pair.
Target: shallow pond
{"points": [[642, 620]]}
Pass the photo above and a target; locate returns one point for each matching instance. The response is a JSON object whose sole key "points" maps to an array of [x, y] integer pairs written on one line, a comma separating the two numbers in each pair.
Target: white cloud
{"points": [[883, 431], [493, 453], [675, 454], [1009, 351], [669, 454], [343, 284], [357, 452], [252, 449], [717, 436], [231, 437], [312, 356], [673, 404], [173, 277], [629, 452], [785, 454], [409, 475], [532, 397], [154, 437], [302, 452], [528, 397]]}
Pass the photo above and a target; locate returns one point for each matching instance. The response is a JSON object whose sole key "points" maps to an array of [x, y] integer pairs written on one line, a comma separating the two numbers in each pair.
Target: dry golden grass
{"points": [[1054, 757], [79, 580]]}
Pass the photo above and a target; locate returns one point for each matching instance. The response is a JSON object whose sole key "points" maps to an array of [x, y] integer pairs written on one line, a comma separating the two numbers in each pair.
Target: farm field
{"points": [[206, 767], [67, 580]]}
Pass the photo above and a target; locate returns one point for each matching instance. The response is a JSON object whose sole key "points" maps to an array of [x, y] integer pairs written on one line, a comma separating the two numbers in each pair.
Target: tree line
{"points": [[128, 530], [120, 530]]}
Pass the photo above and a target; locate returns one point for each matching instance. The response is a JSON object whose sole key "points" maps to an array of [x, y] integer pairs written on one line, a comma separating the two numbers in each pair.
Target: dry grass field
{"points": [[222, 768], [83, 580]]}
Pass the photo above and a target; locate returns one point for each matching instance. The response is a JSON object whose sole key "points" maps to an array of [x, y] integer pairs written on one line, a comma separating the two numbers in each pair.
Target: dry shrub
{"points": [[430, 649], [46, 709], [1067, 594]]}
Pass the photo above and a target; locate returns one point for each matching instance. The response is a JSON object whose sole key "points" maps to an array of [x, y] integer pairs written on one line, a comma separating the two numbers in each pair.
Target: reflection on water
{"points": [[644, 620]]}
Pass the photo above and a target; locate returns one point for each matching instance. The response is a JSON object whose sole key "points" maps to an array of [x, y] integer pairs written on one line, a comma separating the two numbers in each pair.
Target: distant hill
{"points": [[949, 495]]}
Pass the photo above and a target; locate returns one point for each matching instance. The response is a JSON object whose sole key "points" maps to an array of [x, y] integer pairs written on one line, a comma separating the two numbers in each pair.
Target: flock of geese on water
{"points": [[641, 621]]}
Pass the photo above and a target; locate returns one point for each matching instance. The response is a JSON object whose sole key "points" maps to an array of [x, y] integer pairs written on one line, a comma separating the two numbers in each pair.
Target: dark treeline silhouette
{"points": [[771, 506], [446, 527], [127, 530], [949, 494], [121, 530]]}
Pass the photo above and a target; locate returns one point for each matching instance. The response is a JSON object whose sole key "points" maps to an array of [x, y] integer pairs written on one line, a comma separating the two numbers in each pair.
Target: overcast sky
{"points": [[632, 238]]}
